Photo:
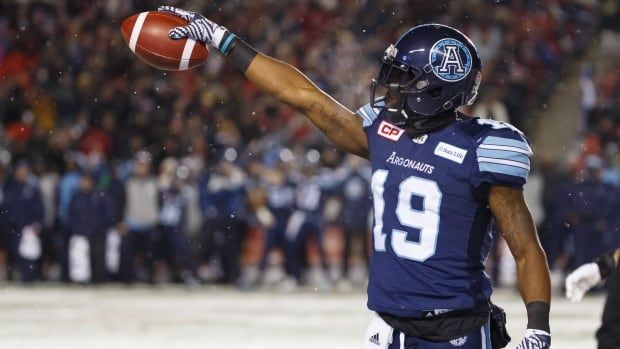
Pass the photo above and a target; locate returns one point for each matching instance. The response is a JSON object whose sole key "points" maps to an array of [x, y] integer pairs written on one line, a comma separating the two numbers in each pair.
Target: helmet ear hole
{"points": [[435, 91]]}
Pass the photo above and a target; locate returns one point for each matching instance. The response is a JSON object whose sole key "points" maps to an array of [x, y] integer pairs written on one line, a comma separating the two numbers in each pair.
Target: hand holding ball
{"points": [[146, 34]]}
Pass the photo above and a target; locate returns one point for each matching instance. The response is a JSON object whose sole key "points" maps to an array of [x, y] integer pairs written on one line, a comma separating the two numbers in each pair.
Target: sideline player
{"points": [[589, 275], [439, 177]]}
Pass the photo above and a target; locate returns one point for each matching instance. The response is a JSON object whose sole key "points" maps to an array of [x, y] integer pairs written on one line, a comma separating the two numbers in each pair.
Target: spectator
{"points": [[280, 196], [4, 222], [221, 195], [355, 209], [307, 224], [91, 214], [491, 106], [590, 213], [24, 211], [171, 242], [68, 185], [141, 218]]}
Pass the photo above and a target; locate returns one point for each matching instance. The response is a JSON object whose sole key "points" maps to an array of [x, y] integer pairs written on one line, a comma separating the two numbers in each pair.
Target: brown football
{"points": [[146, 34]]}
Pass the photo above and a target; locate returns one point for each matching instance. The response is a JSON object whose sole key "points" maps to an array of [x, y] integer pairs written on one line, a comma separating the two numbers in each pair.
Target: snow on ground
{"points": [[214, 317]]}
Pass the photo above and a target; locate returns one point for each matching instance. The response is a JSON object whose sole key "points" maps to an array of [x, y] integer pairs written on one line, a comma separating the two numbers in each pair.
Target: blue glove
{"points": [[199, 28], [535, 339]]}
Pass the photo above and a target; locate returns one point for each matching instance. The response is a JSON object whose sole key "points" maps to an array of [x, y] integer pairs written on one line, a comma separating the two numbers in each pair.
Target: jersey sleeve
{"points": [[368, 113], [503, 158]]}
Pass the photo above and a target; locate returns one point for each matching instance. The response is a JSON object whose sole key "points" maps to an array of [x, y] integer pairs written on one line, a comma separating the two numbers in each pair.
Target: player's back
{"points": [[431, 220]]}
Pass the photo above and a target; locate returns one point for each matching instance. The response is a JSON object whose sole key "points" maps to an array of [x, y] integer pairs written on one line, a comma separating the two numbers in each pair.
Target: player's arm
{"points": [[517, 227], [279, 79], [590, 274], [290, 86]]}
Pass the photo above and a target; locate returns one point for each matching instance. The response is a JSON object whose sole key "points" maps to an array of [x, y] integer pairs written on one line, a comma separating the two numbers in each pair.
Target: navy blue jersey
{"points": [[309, 193], [280, 199], [431, 220], [356, 203]]}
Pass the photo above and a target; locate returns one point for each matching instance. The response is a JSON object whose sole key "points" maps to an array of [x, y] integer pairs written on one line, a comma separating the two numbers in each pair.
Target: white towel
{"points": [[79, 259], [113, 251], [29, 244]]}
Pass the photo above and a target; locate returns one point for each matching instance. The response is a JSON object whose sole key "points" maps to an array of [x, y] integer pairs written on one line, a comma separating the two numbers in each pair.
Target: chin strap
{"points": [[419, 125]]}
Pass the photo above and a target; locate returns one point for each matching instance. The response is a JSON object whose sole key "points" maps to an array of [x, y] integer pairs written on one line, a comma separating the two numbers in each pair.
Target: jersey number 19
{"points": [[426, 220]]}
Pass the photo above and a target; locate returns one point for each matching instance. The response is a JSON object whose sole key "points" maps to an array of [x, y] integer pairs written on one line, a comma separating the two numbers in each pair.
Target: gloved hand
{"points": [[199, 28], [535, 339], [581, 280]]}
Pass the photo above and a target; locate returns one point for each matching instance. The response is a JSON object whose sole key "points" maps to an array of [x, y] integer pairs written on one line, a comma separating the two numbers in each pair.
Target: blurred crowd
{"points": [[581, 197], [110, 168]]}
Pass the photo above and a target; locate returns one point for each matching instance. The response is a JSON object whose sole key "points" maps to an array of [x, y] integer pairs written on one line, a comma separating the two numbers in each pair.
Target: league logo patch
{"points": [[389, 131], [459, 342], [420, 139], [450, 59]]}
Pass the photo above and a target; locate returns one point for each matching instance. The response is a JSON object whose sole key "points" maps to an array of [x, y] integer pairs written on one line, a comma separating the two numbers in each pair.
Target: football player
{"points": [[589, 275], [280, 197], [356, 205], [306, 221], [439, 180]]}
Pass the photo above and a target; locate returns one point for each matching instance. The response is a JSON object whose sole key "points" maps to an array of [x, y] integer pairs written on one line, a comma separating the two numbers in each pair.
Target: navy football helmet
{"points": [[431, 69]]}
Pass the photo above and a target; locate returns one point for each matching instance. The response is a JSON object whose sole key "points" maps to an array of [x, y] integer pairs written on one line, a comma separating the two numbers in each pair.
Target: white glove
{"points": [[535, 339], [199, 28], [581, 280]]}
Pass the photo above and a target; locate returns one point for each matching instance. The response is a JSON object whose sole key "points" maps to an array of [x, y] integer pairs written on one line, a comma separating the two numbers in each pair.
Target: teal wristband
{"points": [[226, 42]]}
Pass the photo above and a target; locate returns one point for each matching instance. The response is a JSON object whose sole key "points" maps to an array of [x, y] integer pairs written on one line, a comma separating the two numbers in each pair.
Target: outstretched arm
{"points": [[290, 86], [517, 226], [279, 79]]}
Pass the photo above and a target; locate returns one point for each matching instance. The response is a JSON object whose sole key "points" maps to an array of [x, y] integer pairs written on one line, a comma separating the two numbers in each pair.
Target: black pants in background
{"points": [[97, 258], [172, 246], [608, 335], [134, 244], [223, 239], [350, 232]]}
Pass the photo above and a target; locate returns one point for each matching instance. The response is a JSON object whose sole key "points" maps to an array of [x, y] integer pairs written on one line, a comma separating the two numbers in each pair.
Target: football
{"points": [[146, 34]]}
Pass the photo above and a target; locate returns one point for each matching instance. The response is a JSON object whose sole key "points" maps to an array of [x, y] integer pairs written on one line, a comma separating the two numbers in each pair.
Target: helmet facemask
{"points": [[396, 83], [429, 72], [400, 88]]}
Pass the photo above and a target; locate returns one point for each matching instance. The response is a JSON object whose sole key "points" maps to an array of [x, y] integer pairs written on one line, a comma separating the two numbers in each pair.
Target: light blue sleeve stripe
{"points": [[507, 141], [503, 154], [371, 112], [368, 115], [503, 169], [365, 118]]}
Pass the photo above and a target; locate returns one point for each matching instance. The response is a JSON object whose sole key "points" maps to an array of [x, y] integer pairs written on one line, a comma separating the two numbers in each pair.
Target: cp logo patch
{"points": [[450, 59]]}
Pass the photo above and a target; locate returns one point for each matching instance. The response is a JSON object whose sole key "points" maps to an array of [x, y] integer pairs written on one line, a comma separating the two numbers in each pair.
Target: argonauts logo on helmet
{"points": [[450, 59]]}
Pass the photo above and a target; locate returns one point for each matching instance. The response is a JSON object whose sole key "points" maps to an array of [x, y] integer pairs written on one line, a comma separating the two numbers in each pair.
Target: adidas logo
{"points": [[374, 339]]}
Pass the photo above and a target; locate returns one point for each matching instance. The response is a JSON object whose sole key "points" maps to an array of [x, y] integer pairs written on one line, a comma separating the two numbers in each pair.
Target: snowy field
{"points": [[170, 317]]}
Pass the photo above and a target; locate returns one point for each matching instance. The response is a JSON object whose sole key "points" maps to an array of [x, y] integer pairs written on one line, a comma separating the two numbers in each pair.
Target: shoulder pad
{"points": [[368, 113], [503, 149]]}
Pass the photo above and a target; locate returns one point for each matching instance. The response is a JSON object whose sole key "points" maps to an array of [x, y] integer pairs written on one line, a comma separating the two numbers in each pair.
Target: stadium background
{"points": [[77, 107]]}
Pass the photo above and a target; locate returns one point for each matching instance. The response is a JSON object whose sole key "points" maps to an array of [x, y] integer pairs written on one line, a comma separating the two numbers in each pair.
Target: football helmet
{"points": [[431, 69]]}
